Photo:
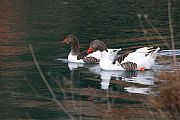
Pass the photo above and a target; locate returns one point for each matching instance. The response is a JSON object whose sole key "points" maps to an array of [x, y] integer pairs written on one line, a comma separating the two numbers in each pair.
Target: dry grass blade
{"points": [[54, 98]]}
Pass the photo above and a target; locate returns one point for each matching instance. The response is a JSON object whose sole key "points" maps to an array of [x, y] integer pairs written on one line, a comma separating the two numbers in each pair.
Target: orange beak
{"points": [[65, 40], [90, 50]]}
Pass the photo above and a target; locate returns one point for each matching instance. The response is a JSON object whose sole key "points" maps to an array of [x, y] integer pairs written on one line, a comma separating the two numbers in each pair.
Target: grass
{"points": [[167, 102]]}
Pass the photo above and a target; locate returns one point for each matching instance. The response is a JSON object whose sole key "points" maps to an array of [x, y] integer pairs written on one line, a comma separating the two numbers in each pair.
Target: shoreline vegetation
{"points": [[167, 103]]}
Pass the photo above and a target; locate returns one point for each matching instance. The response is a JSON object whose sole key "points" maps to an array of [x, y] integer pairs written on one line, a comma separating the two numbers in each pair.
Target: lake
{"points": [[62, 90]]}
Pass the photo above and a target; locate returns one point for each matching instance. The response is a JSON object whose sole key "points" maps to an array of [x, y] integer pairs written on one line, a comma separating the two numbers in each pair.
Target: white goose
{"points": [[85, 56], [141, 59]]}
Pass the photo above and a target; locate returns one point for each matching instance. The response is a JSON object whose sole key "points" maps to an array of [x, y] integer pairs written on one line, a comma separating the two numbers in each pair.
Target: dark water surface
{"points": [[80, 91]]}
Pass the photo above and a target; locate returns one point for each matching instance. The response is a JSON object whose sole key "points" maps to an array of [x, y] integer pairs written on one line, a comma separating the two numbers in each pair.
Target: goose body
{"points": [[111, 55], [106, 62], [74, 58], [143, 58]]}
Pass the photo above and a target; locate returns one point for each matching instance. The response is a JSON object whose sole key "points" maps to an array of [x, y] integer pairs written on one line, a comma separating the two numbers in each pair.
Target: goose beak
{"points": [[65, 41], [90, 50]]}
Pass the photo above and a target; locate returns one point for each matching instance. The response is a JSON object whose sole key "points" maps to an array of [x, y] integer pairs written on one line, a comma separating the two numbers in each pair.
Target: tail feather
{"points": [[154, 54], [144, 50]]}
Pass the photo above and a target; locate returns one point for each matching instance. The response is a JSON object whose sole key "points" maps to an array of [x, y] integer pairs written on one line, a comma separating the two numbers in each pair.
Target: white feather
{"points": [[141, 57]]}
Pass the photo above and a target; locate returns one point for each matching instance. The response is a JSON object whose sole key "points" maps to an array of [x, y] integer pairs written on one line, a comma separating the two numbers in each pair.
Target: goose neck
{"points": [[75, 48]]}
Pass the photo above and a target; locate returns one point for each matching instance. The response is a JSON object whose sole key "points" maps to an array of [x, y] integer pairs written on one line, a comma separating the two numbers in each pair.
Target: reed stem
{"points": [[171, 31]]}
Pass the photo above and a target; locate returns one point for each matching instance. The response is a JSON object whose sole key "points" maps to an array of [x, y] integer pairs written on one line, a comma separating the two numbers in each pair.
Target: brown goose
{"points": [[80, 57]]}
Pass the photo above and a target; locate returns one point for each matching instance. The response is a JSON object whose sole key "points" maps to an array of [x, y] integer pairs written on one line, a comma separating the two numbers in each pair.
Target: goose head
{"points": [[100, 45], [73, 41], [97, 45], [70, 39]]}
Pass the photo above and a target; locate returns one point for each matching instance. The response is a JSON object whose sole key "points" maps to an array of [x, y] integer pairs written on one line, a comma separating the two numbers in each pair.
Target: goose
{"points": [[142, 59], [85, 56]]}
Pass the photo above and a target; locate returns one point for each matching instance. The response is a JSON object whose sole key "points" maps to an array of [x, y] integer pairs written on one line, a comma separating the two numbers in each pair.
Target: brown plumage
{"points": [[120, 58], [73, 41], [82, 55], [129, 65], [98, 45], [90, 60]]}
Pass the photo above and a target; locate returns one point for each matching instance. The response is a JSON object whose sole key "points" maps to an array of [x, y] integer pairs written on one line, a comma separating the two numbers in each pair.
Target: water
{"points": [[84, 91]]}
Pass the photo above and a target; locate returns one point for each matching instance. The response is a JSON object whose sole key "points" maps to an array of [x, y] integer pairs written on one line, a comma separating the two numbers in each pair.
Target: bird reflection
{"points": [[141, 82]]}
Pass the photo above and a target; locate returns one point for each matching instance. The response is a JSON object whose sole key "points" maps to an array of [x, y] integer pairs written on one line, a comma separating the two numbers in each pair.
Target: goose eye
{"points": [[114, 50]]}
